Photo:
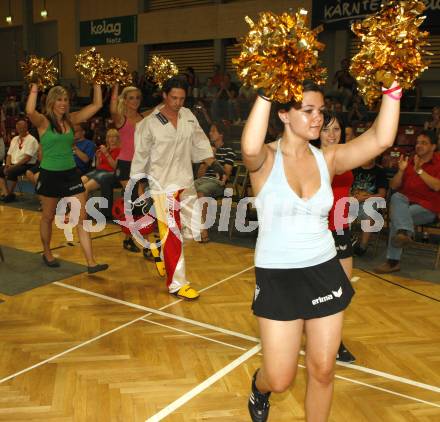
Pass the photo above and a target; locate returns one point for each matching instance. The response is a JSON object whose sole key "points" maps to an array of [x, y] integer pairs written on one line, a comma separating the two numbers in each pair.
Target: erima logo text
{"points": [[323, 299]]}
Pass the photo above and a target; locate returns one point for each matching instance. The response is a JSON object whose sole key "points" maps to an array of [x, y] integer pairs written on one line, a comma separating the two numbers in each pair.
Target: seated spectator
{"points": [[434, 123], [106, 157], [417, 200], [208, 182], [22, 155], [369, 182], [83, 149]]}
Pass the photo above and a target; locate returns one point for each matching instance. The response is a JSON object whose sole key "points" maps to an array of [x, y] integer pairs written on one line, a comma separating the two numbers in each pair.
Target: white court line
{"points": [[254, 339], [387, 391], [161, 313], [302, 366], [70, 350], [204, 385], [250, 338], [223, 372], [194, 334], [210, 286]]}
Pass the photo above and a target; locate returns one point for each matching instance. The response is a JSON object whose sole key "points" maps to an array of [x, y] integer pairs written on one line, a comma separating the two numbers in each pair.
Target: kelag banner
{"points": [[339, 14], [114, 30]]}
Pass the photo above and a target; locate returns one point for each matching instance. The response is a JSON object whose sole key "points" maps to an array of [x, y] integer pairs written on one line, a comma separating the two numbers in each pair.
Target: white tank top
{"points": [[293, 232]]}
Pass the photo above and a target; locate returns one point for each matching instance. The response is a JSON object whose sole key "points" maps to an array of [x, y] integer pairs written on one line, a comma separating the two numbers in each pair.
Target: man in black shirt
{"points": [[369, 182]]}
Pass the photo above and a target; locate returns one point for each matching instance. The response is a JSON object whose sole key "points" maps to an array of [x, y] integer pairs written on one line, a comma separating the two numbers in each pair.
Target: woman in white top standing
{"points": [[301, 286]]}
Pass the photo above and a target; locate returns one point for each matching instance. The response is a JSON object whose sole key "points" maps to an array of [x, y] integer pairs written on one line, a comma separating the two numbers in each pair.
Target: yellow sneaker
{"points": [[187, 293]]}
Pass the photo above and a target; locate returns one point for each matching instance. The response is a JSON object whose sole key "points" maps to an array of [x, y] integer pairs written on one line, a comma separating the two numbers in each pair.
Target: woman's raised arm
{"points": [[36, 118], [90, 110], [375, 140], [253, 150]]}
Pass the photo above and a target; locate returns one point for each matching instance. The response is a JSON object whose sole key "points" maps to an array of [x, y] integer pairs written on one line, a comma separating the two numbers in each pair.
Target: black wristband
{"points": [[260, 93]]}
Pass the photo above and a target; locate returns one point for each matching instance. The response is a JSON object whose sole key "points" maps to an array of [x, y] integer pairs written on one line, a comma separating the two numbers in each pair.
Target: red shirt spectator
{"points": [[102, 161], [416, 190]]}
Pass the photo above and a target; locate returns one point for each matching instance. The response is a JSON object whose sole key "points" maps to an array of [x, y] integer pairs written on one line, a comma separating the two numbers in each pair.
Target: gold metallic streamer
{"points": [[41, 71], [90, 65], [392, 48], [160, 69], [116, 72], [278, 54]]}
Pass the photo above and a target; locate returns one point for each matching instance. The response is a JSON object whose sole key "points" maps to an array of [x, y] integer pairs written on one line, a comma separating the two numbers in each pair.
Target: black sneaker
{"points": [[344, 355], [359, 250], [258, 403]]}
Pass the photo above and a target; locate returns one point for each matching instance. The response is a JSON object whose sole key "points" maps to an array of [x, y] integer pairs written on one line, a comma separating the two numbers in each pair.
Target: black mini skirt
{"points": [[59, 184], [301, 293]]}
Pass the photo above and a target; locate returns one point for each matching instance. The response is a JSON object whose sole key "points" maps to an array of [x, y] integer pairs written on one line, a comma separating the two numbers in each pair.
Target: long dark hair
{"points": [[329, 118]]}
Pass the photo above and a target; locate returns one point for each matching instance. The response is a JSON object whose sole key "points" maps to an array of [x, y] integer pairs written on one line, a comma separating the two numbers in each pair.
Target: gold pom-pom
{"points": [[392, 48], [90, 65], [40, 71], [160, 69], [278, 54], [116, 72]]}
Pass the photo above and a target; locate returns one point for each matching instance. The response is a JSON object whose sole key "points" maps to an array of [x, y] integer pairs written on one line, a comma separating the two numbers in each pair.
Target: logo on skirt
{"points": [[330, 296]]}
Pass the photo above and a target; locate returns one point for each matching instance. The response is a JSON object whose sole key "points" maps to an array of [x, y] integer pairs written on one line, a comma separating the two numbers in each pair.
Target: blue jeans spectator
{"points": [[403, 217]]}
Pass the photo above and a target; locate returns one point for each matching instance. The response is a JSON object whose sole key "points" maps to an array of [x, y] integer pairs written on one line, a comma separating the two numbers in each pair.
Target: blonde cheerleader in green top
{"points": [[58, 176]]}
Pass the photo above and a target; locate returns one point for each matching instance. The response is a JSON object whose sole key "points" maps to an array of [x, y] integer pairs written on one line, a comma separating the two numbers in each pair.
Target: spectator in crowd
{"points": [[246, 97], [22, 154], [83, 149], [358, 111], [106, 159], [369, 182], [208, 182], [224, 104], [434, 123], [208, 91], [346, 84], [217, 76], [193, 85], [11, 106], [202, 115], [417, 200]]}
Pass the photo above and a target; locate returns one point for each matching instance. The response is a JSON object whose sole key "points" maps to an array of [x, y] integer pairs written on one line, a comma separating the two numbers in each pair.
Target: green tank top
{"points": [[57, 150]]}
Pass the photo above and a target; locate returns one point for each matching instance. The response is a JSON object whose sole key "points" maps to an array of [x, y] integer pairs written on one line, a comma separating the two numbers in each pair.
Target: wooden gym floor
{"points": [[117, 347]]}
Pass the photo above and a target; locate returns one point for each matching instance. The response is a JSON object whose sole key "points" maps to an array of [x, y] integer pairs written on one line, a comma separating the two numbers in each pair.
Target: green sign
{"points": [[117, 30]]}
